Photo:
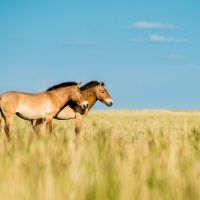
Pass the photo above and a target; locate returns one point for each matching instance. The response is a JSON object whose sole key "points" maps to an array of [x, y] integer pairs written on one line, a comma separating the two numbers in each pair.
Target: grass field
{"points": [[122, 155]]}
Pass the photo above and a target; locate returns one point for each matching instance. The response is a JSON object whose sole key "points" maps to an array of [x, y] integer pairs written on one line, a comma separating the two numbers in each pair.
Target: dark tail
{"points": [[0, 111]]}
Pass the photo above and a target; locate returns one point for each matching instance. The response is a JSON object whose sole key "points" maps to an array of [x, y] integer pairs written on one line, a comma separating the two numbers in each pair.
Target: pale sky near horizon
{"points": [[147, 51]]}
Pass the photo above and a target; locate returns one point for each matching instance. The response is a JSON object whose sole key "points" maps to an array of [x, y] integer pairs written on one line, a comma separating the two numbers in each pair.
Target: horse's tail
{"points": [[0, 111], [0, 107]]}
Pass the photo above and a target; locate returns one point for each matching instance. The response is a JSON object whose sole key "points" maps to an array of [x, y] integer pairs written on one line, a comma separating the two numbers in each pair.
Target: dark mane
{"points": [[90, 85], [64, 84]]}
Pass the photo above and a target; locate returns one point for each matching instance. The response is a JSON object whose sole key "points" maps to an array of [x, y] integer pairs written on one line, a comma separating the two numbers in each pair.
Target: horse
{"points": [[44, 105], [93, 91]]}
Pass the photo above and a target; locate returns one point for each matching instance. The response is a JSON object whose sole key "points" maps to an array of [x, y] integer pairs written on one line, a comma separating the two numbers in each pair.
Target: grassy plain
{"points": [[121, 155]]}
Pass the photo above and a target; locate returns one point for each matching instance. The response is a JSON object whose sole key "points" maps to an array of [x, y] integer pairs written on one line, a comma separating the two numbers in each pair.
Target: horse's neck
{"points": [[62, 96], [91, 97]]}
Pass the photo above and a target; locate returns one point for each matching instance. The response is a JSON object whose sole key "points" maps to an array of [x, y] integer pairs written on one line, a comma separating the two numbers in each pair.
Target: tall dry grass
{"points": [[121, 155]]}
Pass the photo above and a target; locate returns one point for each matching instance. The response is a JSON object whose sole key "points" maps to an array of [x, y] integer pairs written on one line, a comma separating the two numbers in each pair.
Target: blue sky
{"points": [[147, 51]]}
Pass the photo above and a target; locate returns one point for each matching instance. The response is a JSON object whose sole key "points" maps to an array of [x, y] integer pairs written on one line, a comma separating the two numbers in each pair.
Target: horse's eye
{"points": [[103, 92], [80, 93]]}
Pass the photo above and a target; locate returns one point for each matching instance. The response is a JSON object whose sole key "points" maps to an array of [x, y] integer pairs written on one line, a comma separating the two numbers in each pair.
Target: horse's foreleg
{"points": [[49, 125], [48, 128], [38, 125], [78, 124]]}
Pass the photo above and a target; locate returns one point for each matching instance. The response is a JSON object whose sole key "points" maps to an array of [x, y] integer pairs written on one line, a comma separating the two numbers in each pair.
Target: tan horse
{"points": [[93, 91], [44, 105]]}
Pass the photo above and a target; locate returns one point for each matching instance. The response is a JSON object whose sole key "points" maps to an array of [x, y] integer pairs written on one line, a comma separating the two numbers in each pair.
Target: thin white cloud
{"points": [[159, 39], [163, 39], [150, 25]]}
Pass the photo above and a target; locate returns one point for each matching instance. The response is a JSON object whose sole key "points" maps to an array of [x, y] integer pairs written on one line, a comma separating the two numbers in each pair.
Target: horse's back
{"points": [[22, 102]]}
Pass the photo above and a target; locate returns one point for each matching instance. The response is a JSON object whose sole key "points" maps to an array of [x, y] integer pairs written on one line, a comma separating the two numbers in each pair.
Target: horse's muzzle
{"points": [[84, 105], [109, 102]]}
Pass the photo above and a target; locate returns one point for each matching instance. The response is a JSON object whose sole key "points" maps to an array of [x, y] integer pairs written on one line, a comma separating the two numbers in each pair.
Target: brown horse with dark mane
{"points": [[44, 105], [92, 91]]}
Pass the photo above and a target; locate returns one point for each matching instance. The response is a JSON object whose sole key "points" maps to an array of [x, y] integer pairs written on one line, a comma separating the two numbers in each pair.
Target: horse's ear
{"points": [[78, 85], [102, 83]]}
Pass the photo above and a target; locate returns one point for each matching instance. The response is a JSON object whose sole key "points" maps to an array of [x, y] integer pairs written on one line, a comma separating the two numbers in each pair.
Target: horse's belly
{"points": [[28, 113], [29, 117]]}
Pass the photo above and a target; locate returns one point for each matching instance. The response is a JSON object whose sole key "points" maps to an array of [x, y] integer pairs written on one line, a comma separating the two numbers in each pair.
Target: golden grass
{"points": [[121, 155]]}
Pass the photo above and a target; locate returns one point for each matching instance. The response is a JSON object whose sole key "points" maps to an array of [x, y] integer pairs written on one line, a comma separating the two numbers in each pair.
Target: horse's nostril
{"points": [[109, 102], [85, 105]]}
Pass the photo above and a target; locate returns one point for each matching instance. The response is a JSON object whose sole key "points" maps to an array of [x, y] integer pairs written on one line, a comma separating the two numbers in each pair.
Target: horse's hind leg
{"points": [[8, 121]]}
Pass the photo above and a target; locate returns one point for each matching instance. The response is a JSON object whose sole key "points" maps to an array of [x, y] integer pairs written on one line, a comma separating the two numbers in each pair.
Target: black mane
{"points": [[64, 84], [90, 85]]}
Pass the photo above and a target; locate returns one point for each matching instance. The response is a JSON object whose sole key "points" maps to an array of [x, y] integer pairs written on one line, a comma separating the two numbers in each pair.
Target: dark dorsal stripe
{"points": [[90, 85], [64, 84]]}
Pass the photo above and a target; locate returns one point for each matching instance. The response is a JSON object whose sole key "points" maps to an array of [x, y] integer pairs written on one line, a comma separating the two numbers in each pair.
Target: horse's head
{"points": [[103, 95], [78, 97]]}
